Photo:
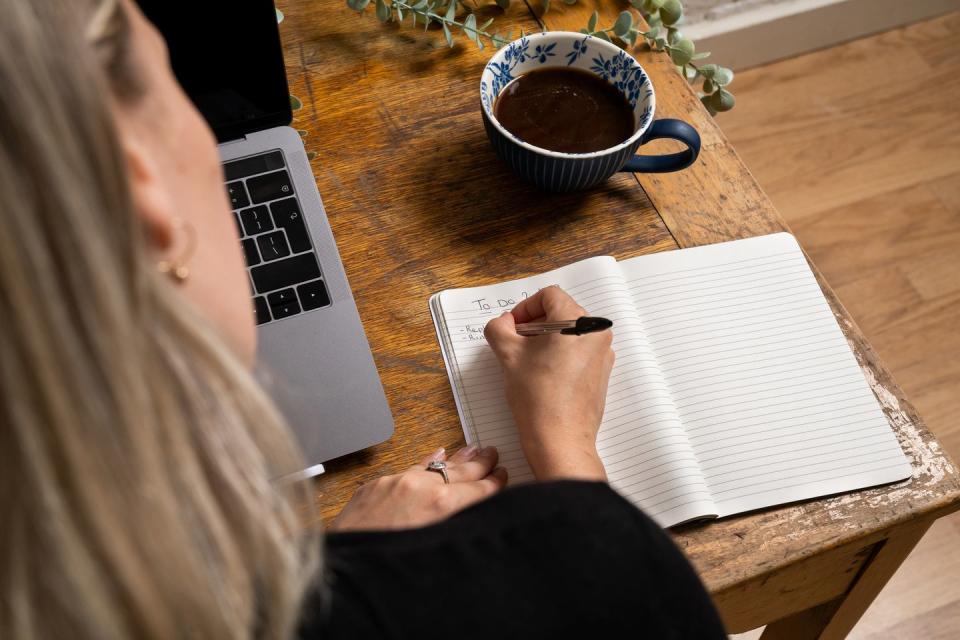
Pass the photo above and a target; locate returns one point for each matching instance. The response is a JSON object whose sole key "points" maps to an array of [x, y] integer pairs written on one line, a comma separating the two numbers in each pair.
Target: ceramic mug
{"points": [[558, 171]]}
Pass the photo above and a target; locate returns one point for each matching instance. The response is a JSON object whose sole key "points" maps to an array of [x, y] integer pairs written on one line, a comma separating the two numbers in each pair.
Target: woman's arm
{"points": [[556, 386]]}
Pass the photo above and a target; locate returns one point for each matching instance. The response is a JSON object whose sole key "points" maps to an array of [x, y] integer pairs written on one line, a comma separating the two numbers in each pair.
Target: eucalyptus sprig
{"points": [[439, 12], [664, 18]]}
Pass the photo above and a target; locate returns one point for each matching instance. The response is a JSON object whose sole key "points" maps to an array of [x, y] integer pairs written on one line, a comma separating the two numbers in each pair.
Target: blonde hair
{"points": [[136, 451]]}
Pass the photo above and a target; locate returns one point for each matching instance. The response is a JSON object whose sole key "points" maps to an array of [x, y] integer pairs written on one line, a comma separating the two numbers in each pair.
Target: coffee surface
{"points": [[566, 110]]}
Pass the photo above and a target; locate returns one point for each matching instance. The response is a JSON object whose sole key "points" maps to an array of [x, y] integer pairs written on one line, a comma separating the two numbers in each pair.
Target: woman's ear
{"points": [[151, 199]]}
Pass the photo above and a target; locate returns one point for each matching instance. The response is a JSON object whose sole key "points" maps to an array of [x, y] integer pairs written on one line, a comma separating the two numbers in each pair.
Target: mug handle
{"points": [[675, 130]]}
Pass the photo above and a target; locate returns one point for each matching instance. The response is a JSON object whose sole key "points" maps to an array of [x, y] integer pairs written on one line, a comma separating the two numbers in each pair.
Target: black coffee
{"points": [[564, 109]]}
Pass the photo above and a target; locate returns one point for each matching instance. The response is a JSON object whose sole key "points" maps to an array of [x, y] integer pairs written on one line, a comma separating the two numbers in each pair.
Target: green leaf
{"points": [[708, 103], [570, 2], [681, 52], [470, 27], [602, 35], [654, 20], [295, 103], [592, 22], [303, 133], [584, 31], [486, 24], [358, 5], [623, 24], [673, 35], [654, 4], [723, 76], [383, 11], [311, 155], [399, 12], [637, 4], [661, 43], [279, 16], [546, 6], [503, 4], [708, 86], [708, 70], [671, 12], [701, 56], [452, 10], [447, 35], [723, 100]]}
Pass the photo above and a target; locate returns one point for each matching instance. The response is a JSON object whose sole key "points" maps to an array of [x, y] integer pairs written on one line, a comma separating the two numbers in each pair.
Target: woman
{"points": [[137, 453]]}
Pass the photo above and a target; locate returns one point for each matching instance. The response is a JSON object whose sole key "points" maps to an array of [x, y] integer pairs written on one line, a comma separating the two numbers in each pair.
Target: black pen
{"points": [[578, 327]]}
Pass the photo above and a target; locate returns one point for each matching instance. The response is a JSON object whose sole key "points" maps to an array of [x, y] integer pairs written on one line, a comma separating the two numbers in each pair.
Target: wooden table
{"points": [[419, 203]]}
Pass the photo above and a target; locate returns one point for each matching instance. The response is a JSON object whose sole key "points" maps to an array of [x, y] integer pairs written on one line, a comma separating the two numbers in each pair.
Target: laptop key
{"points": [[238, 195], [284, 296], [313, 295], [285, 310], [249, 166], [285, 273], [256, 220], [273, 246], [260, 310], [270, 186], [286, 214], [250, 251]]}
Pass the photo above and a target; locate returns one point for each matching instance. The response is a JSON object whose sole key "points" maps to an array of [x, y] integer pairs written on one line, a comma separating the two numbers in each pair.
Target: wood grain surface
{"points": [[419, 203]]}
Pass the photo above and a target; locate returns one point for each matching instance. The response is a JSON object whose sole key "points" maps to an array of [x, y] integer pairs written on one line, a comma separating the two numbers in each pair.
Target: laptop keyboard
{"points": [[282, 262]]}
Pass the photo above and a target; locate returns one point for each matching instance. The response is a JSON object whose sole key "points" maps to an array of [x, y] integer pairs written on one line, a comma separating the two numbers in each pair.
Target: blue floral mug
{"points": [[558, 171]]}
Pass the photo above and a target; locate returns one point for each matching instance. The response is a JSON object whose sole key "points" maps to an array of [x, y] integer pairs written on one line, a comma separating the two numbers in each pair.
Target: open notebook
{"points": [[733, 389]]}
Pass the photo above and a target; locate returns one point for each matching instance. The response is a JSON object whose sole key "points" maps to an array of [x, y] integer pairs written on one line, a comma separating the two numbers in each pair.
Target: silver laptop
{"points": [[313, 354]]}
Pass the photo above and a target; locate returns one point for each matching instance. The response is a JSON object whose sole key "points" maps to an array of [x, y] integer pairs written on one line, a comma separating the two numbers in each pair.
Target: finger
{"points": [[439, 454], [501, 334], [465, 454], [550, 303], [468, 493], [477, 468]]}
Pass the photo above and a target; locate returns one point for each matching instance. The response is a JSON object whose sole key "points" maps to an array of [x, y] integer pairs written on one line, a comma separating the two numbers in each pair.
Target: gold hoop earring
{"points": [[177, 267]]}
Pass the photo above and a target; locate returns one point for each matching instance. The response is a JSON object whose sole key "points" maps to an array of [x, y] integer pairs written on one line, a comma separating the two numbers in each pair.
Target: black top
{"points": [[550, 560]]}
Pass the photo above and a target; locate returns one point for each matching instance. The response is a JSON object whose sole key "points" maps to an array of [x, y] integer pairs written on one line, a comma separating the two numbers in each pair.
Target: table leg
{"points": [[835, 619]]}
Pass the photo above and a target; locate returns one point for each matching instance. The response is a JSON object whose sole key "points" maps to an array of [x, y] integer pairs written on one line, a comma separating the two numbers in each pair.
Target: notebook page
{"points": [[772, 399], [641, 441]]}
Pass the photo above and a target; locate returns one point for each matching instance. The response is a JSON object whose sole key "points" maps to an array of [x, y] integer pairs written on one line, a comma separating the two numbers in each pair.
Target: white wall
{"points": [[746, 33], [698, 11]]}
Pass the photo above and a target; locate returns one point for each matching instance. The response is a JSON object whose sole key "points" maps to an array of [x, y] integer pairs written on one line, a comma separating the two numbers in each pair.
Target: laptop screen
{"points": [[228, 59]]}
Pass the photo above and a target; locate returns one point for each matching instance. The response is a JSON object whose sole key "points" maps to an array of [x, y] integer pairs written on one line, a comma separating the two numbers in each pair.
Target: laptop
{"points": [[313, 354]]}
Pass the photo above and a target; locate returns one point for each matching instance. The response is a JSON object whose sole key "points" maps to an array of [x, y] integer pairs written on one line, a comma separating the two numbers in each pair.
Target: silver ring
{"points": [[440, 467]]}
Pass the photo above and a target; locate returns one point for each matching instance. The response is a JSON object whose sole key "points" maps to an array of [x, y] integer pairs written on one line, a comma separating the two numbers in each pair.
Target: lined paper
{"points": [[771, 397], [733, 389], [641, 441]]}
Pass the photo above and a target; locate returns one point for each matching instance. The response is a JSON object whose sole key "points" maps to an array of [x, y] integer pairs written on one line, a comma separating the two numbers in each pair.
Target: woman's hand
{"points": [[418, 497], [556, 386]]}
